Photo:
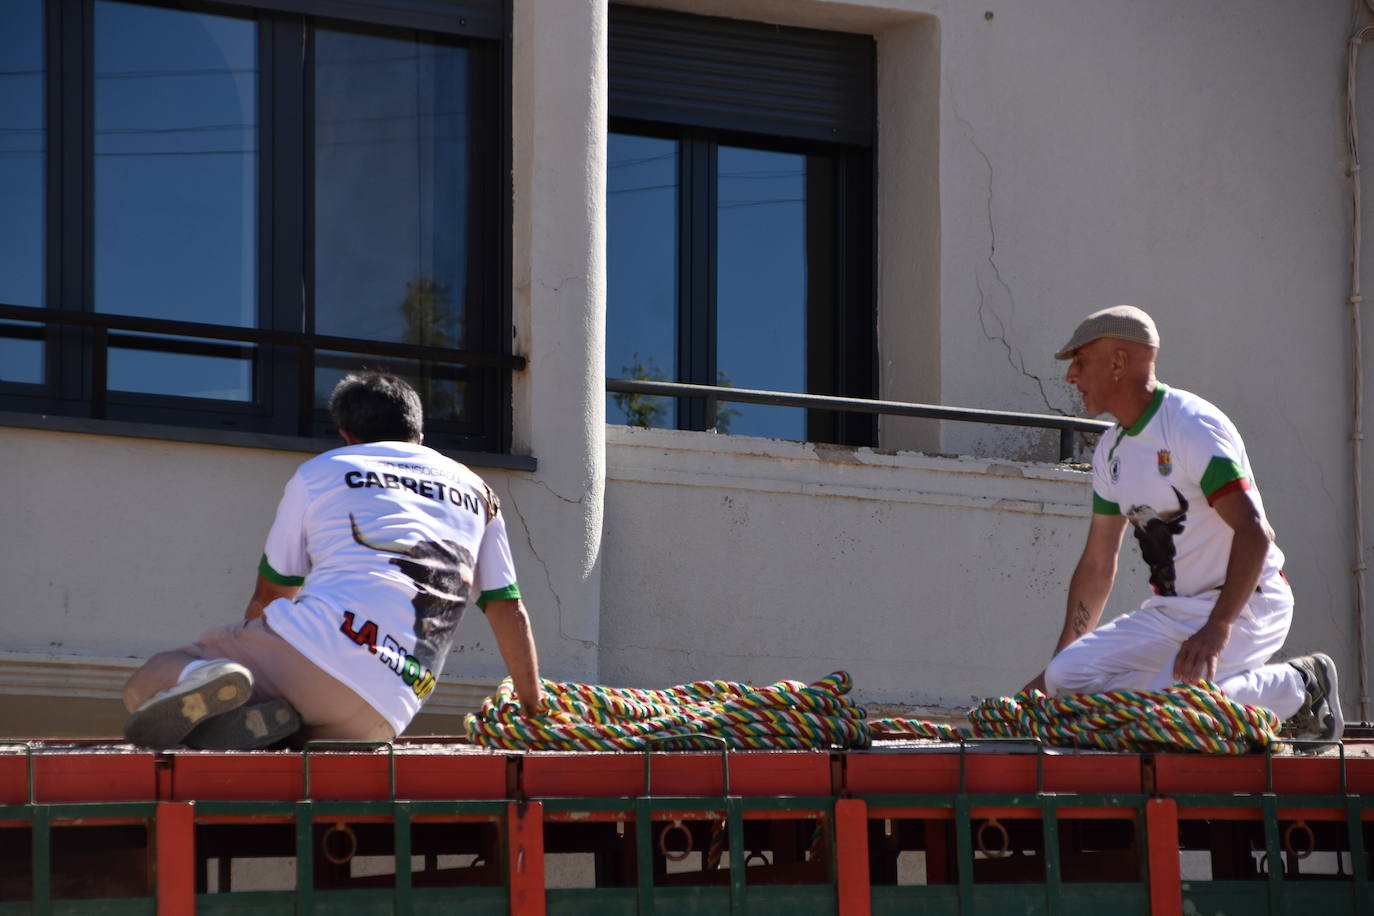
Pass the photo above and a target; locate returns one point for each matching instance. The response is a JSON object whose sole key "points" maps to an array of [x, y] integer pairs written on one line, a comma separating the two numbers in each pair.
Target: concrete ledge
{"points": [[702, 459]]}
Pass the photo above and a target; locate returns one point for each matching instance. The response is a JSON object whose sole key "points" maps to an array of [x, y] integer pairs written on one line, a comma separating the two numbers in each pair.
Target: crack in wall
{"points": [[556, 287], [1014, 357], [556, 495], [548, 576]]}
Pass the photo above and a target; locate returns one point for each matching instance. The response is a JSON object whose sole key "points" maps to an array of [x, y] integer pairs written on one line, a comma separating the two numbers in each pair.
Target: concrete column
{"points": [[559, 306], [909, 332]]}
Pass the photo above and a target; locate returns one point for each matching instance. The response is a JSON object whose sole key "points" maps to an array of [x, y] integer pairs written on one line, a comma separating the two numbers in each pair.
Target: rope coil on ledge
{"points": [[790, 715]]}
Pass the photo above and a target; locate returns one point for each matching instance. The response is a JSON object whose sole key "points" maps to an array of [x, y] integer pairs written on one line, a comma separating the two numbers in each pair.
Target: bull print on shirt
{"points": [[443, 573], [1155, 532]]}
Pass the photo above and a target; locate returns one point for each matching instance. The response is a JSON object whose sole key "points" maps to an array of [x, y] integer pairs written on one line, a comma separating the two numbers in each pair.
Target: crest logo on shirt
{"points": [[1114, 469], [1166, 462]]}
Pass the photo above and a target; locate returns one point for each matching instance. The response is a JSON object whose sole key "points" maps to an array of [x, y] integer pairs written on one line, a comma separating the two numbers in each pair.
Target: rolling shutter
{"points": [[729, 74]]}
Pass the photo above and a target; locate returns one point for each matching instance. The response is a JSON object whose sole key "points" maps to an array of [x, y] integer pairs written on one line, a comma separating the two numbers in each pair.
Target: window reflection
{"points": [[210, 369], [21, 352], [761, 286], [22, 150], [175, 187], [442, 388], [641, 273], [392, 149]]}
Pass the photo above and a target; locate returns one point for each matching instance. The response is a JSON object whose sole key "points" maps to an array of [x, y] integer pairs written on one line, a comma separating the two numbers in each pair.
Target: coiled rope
{"points": [[790, 715]]}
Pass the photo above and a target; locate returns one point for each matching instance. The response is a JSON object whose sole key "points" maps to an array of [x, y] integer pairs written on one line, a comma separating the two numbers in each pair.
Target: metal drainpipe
{"points": [[1356, 358]]}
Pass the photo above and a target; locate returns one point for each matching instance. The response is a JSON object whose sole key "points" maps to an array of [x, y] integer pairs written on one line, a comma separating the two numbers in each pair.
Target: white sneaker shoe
{"points": [[1320, 717], [167, 717]]}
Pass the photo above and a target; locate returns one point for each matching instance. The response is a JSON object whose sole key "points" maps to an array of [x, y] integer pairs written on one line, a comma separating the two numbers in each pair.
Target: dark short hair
{"points": [[377, 407]]}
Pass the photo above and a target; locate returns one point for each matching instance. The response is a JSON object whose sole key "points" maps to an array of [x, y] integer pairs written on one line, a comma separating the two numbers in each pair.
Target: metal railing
{"points": [[1067, 426], [130, 324]]}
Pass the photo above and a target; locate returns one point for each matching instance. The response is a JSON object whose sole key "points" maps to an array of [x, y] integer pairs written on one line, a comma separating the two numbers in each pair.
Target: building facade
{"points": [[211, 210]]}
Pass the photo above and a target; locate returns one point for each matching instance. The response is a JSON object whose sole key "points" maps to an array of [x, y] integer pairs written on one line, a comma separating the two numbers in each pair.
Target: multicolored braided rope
{"points": [[791, 715]]}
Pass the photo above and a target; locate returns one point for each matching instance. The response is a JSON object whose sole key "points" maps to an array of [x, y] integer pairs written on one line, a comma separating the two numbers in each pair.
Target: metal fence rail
{"points": [[1067, 426]]}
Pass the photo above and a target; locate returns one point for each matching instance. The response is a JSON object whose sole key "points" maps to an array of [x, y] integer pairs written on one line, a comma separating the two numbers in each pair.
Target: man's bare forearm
{"points": [[515, 639], [1088, 591], [1249, 547]]}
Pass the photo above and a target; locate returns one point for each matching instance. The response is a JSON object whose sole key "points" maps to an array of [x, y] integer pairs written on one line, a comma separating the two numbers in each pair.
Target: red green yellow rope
{"points": [[793, 715]]}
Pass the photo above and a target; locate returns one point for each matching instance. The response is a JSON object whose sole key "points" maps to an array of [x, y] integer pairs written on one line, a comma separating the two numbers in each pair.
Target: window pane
{"points": [[21, 352], [218, 370], [641, 273], [761, 286], [393, 152], [22, 150], [442, 388], [175, 183]]}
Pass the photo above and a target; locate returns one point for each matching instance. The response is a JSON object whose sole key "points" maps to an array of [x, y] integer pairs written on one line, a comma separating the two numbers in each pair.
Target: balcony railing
{"points": [[1067, 426]]}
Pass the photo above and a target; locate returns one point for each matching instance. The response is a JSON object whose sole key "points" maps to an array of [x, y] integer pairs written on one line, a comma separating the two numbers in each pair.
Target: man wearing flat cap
{"points": [[1175, 468]]}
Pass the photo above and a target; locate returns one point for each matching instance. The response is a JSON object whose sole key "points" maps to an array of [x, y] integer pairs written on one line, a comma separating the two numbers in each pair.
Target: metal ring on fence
{"points": [[674, 855], [350, 847], [982, 846], [756, 854], [1288, 840]]}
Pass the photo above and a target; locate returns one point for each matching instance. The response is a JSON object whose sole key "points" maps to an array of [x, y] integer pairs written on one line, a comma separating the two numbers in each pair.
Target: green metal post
{"points": [[1273, 853], [1049, 814], [305, 859], [1359, 865], [42, 860], [734, 818], [644, 855], [401, 826], [963, 842]]}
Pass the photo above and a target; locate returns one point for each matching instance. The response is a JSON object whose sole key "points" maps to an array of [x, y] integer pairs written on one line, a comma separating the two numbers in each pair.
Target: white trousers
{"points": [[1136, 651]]}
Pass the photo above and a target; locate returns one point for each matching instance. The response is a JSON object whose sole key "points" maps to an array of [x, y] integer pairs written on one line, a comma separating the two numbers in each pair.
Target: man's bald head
{"points": [[1112, 361]]}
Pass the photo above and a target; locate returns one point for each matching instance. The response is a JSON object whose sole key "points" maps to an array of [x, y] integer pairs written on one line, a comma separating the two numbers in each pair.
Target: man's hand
{"points": [[1197, 657], [1037, 683]]}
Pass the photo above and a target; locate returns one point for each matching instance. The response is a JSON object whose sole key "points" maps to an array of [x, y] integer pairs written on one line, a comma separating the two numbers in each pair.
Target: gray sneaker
{"points": [[246, 728], [168, 716], [1320, 718]]}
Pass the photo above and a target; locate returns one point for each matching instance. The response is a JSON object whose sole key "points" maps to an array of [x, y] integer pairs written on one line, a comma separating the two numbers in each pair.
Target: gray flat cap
{"points": [[1122, 322]]}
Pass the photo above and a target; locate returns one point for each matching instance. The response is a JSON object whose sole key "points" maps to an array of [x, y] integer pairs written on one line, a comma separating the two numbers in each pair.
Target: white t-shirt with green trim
{"points": [[389, 542], [1164, 474]]}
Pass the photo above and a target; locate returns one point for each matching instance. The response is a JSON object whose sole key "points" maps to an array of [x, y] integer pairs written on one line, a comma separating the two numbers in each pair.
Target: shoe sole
{"points": [[1333, 698], [247, 728], [166, 720]]}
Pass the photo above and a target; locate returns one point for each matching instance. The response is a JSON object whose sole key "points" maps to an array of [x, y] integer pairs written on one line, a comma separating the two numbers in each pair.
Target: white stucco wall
{"points": [[933, 581], [559, 307], [1184, 157]]}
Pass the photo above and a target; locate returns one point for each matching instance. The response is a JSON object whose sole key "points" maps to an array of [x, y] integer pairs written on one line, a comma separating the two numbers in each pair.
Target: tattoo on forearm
{"points": [[1080, 619]]}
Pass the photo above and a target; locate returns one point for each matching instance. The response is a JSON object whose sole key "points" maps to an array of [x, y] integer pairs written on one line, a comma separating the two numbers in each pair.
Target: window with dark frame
{"points": [[210, 212], [740, 221]]}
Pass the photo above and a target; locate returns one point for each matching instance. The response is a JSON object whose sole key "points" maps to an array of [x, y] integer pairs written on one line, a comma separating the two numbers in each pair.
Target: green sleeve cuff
{"points": [[505, 593], [1103, 507], [1220, 472], [271, 575]]}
